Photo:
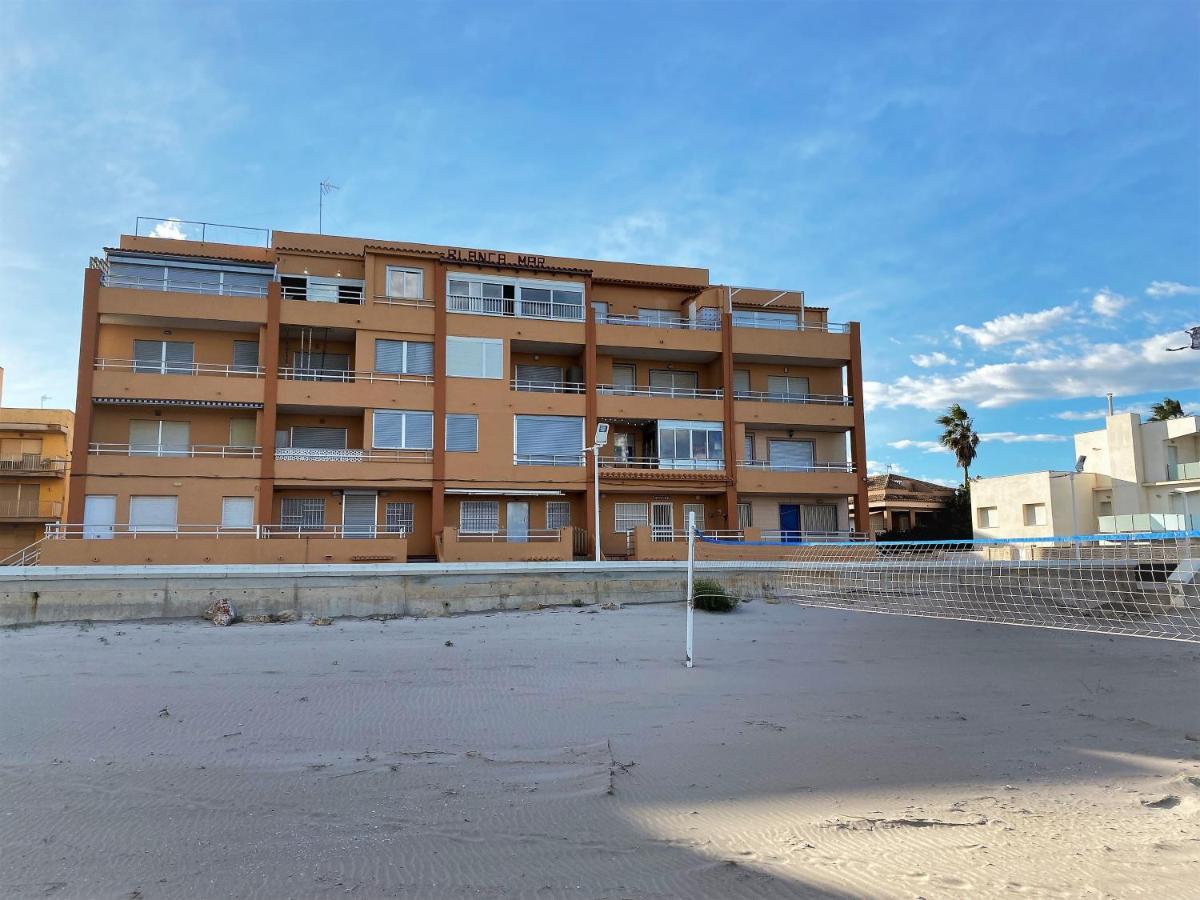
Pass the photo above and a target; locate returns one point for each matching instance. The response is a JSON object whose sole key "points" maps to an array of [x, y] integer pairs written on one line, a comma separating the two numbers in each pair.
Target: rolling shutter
{"points": [[389, 356], [395, 429], [147, 356], [790, 454], [153, 513], [245, 356], [540, 374], [310, 437], [237, 512], [462, 433], [549, 440], [178, 356], [420, 358], [787, 385], [403, 357], [741, 380], [242, 432], [358, 514]]}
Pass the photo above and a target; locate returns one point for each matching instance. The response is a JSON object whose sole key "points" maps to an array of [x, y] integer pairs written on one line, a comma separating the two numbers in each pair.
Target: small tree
{"points": [[711, 596], [1168, 409], [958, 435]]}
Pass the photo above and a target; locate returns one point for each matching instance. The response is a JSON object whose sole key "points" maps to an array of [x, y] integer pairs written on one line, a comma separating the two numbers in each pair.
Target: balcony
{"points": [[623, 390], [30, 510], [533, 545], [549, 459], [643, 469], [704, 323], [515, 308], [353, 455], [206, 460], [760, 476], [777, 397], [774, 321], [179, 368], [31, 464], [187, 381], [216, 451], [342, 292], [805, 410], [619, 401], [217, 284], [547, 387], [1148, 523], [1186, 471]]}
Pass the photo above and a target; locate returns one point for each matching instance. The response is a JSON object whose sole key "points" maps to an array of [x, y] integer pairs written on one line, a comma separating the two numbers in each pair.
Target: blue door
{"points": [[789, 523]]}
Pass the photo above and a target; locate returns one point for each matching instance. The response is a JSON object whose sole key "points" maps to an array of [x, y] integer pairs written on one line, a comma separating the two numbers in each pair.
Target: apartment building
{"points": [[34, 461], [1133, 476], [324, 398]]}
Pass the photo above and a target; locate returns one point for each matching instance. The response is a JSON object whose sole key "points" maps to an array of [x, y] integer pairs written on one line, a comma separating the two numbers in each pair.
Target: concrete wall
{"points": [[42, 595]]}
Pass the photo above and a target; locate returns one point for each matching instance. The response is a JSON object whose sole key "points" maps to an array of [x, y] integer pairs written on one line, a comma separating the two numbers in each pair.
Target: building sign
{"points": [[492, 258]]}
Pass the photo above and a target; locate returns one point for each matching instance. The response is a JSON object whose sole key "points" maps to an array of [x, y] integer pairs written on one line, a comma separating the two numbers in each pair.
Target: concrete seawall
{"points": [[44, 594]]}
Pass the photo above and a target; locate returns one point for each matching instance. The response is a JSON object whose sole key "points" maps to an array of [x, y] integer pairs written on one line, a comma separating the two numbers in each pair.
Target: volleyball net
{"points": [[1143, 585]]}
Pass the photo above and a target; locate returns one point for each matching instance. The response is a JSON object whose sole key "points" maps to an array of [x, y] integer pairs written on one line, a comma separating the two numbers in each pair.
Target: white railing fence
{"points": [[178, 368]]}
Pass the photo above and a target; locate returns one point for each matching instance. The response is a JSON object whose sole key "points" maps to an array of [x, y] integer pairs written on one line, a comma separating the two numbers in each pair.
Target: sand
{"points": [[568, 754]]}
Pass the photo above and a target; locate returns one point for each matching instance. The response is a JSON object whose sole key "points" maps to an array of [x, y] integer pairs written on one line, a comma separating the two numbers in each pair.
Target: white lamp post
{"points": [[600, 440]]}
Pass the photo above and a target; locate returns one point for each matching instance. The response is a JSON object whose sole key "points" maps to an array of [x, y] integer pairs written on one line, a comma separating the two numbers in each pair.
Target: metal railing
{"points": [[31, 463], [637, 390], [348, 294], [548, 459], [292, 373], [661, 533], [521, 309], [1183, 471], [143, 367], [764, 319], [26, 556], [188, 230], [421, 302], [812, 537], [778, 397], [531, 535], [220, 451], [636, 321], [125, 530], [181, 285], [332, 531], [30, 509], [808, 467], [547, 387], [1148, 522], [654, 462], [351, 455]]}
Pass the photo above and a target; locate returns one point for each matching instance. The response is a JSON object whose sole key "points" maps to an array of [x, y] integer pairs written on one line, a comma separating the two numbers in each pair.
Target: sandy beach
{"points": [[568, 753]]}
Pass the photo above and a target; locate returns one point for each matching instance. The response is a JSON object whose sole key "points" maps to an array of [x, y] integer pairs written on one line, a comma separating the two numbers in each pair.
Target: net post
{"points": [[691, 571]]}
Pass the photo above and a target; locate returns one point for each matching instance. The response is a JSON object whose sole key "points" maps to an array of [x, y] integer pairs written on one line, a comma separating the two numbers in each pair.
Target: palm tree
{"points": [[1168, 409], [959, 435]]}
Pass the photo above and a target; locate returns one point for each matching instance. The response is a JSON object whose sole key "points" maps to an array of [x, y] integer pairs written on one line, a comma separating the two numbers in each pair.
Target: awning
{"points": [[143, 401]]}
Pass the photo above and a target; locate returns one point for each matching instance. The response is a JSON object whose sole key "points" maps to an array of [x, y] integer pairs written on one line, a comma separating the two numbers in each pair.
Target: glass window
{"points": [[242, 432], [628, 516], [475, 357], [302, 513], [164, 357], [558, 514], [398, 518], [407, 284], [745, 520]]}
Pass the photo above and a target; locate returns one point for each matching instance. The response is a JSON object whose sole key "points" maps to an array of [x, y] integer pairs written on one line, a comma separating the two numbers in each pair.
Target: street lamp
{"points": [[1074, 512], [600, 440]]}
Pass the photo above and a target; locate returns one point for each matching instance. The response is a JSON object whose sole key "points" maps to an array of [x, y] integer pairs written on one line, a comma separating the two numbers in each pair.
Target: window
{"points": [[671, 383], [405, 284], [164, 357], [601, 310], [629, 516], [745, 520], [690, 445], [475, 357], [748, 448], [479, 516], [548, 440], [741, 381], [558, 514], [753, 318], [302, 513], [313, 437], [403, 357], [624, 378], [462, 433], [396, 429], [242, 432], [659, 316], [398, 518], [153, 513], [154, 437], [987, 517], [321, 290], [819, 518], [245, 356], [186, 277], [319, 365], [1034, 513], [497, 296], [783, 387], [698, 509], [1105, 508], [792, 456], [237, 512]]}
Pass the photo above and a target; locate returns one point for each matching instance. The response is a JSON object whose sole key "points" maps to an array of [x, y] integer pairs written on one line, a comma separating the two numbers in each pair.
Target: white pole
{"points": [[691, 564], [596, 494], [1074, 517]]}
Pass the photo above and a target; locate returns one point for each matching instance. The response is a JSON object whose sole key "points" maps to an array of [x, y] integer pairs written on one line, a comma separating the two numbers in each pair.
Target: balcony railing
{"points": [[419, 302], [778, 397], [166, 282], [547, 387], [636, 321], [1149, 522], [548, 459], [656, 463], [746, 318], [813, 537], [806, 467], [352, 455], [627, 390], [349, 294], [218, 451], [531, 535], [290, 373], [521, 309], [179, 368], [1183, 471], [332, 531], [124, 530], [30, 509], [31, 463]]}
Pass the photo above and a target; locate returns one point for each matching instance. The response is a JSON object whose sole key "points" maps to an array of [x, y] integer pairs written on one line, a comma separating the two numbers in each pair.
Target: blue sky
{"points": [[1006, 195]]}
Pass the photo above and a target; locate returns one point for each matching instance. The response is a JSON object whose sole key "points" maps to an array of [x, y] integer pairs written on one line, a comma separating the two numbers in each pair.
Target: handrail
{"points": [[124, 530], [143, 367], [26, 556], [637, 390], [177, 229], [350, 454], [30, 509], [811, 467], [547, 387], [659, 533], [520, 309], [778, 397], [688, 324], [325, 293], [792, 537], [179, 285], [654, 462], [749, 318], [335, 531], [294, 373], [385, 300], [98, 448], [548, 459], [502, 535], [32, 463]]}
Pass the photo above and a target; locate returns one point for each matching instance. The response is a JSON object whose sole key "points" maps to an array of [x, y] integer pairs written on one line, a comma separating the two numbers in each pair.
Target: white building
{"points": [[1135, 476]]}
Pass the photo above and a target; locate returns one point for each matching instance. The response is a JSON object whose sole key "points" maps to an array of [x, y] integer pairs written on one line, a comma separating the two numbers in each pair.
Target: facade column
{"points": [[858, 434], [438, 520], [731, 448], [81, 436], [590, 376], [268, 354]]}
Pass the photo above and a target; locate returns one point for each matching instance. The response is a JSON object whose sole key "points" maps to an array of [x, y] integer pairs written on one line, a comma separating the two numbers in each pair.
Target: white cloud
{"points": [[1090, 370], [1108, 304], [1016, 326], [927, 446], [928, 360], [1012, 437], [944, 482], [1170, 289], [168, 228], [883, 468], [1089, 415]]}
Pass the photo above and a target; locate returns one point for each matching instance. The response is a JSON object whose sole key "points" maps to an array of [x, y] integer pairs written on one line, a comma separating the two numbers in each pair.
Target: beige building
{"points": [[900, 503], [1134, 476]]}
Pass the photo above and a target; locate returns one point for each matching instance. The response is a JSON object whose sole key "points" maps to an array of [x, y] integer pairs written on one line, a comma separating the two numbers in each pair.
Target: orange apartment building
{"points": [[333, 399]]}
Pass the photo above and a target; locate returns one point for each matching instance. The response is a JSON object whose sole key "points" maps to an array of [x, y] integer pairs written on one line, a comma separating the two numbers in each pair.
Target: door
{"points": [[154, 513], [662, 521], [789, 522], [358, 514], [518, 522], [1172, 463], [99, 514]]}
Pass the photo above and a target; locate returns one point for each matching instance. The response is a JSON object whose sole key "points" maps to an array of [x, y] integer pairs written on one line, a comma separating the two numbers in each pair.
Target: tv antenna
{"points": [[45, 397], [327, 187]]}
